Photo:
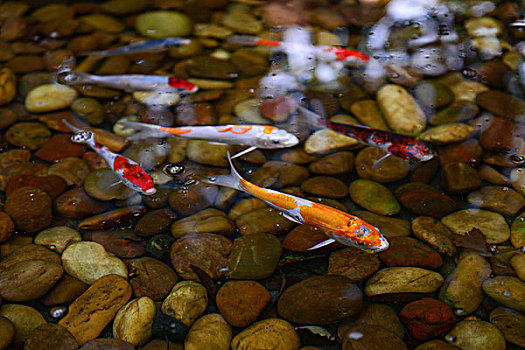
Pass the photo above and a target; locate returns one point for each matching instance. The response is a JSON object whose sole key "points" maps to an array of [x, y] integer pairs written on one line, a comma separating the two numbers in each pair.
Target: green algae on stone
{"points": [[517, 231], [506, 290], [254, 256], [375, 197]]}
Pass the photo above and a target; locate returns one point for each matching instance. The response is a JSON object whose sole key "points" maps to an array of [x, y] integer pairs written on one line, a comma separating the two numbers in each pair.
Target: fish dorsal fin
{"points": [[322, 244]]}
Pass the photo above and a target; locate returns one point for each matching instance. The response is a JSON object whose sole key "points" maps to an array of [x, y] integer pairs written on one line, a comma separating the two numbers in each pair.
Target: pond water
{"points": [[251, 174]]}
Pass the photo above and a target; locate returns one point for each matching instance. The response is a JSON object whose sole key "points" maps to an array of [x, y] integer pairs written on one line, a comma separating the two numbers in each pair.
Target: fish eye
{"points": [[362, 231], [275, 141]]}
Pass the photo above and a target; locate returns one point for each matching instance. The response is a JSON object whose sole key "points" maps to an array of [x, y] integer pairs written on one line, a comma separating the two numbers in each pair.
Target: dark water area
{"points": [[250, 174]]}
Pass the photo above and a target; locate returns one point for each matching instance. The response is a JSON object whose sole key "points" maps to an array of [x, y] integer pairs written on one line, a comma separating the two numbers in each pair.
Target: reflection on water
{"points": [[394, 129]]}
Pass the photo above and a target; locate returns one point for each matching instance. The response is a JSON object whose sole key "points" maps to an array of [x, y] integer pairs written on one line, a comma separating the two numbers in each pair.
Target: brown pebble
{"points": [[30, 208]]}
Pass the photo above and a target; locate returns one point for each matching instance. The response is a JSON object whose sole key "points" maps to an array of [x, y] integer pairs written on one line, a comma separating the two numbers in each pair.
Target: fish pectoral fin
{"points": [[215, 142], [291, 218], [322, 244], [380, 161], [242, 153]]}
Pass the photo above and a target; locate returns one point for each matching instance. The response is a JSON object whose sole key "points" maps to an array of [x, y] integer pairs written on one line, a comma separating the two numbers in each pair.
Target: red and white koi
{"points": [[399, 145], [153, 45], [256, 136], [129, 82], [338, 225], [131, 174], [323, 52]]}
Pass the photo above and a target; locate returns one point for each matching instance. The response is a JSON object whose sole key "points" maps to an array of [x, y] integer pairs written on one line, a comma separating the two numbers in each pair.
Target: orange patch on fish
{"points": [[281, 200], [237, 129], [268, 129], [175, 131], [266, 42]]}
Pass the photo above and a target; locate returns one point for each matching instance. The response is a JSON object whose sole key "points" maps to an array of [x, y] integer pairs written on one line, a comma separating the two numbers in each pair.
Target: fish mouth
{"points": [[426, 157], [150, 191]]}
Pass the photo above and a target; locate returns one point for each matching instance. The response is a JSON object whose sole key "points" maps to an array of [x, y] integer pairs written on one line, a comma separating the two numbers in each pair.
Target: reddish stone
{"points": [[407, 251], [77, 204], [59, 60], [53, 185], [30, 208], [124, 244], [501, 136], [241, 302], [65, 291], [14, 156], [422, 199], [502, 105], [303, 237], [59, 146], [197, 114], [427, 318], [94, 160], [353, 263], [150, 277], [278, 109], [157, 116], [468, 151], [118, 217], [7, 227], [460, 178], [23, 168], [54, 121]]}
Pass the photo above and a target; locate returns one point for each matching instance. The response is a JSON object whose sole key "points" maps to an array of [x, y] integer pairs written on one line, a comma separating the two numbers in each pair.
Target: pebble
{"points": [[168, 328], [271, 333], [460, 178], [89, 261], [25, 319], [325, 186], [371, 337], [427, 318], [434, 233], [289, 174], [71, 169], [65, 291], [303, 237], [510, 324], [102, 22], [492, 225], [154, 222], [447, 133], [277, 109], [458, 111], [7, 118], [22, 168], [25, 63], [501, 135], [49, 97], [28, 134], [50, 336], [29, 279], [30, 209], [464, 90], [374, 197], [326, 141], [206, 251], [422, 199], [122, 243], [120, 7], [265, 220], [333, 164], [369, 114], [117, 217], [518, 264], [116, 344], [188, 200], [7, 227], [186, 302], [320, 300], [195, 114], [59, 146], [407, 251], [242, 22], [391, 170], [216, 68], [91, 312], [208, 220], [462, 288], [241, 302], [29, 252], [209, 331], [254, 256], [352, 263], [391, 227], [502, 105], [7, 332], [76, 204], [400, 110], [506, 290], [517, 180], [500, 199], [155, 98], [437, 344], [7, 86], [207, 153], [403, 280], [473, 334], [150, 277], [374, 315], [161, 24], [469, 152], [91, 109], [133, 321], [104, 184], [53, 185]]}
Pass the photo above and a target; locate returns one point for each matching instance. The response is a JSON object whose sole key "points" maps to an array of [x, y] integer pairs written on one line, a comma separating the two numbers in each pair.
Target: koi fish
{"points": [[256, 136], [131, 174], [399, 145], [338, 225], [323, 52], [142, 46], [130, 82]]}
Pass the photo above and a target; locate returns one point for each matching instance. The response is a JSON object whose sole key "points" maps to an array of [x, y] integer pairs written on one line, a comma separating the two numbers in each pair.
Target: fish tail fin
{"points": [[313, 119], [232, 180], [144, 130]]}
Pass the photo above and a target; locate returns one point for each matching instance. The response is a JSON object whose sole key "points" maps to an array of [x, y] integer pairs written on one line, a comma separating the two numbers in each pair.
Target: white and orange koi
{"points": [[323, 52], [256, 136], [131, 174], [339, 226], [129, 82]]}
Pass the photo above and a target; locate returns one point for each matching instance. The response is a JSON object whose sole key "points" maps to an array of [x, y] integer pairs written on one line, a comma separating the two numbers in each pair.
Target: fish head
{"points": [[83, 136], [276, 138], [362, 235]]}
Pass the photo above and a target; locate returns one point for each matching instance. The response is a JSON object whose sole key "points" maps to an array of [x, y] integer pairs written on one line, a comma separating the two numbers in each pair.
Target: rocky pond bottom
{"points": [[88, 263]]}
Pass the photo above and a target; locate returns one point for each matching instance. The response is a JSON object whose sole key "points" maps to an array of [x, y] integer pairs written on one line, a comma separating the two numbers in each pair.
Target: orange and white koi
{"points": [[131, 174], [129, 82], [257, 136], [323, 52], [338, 225]]}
